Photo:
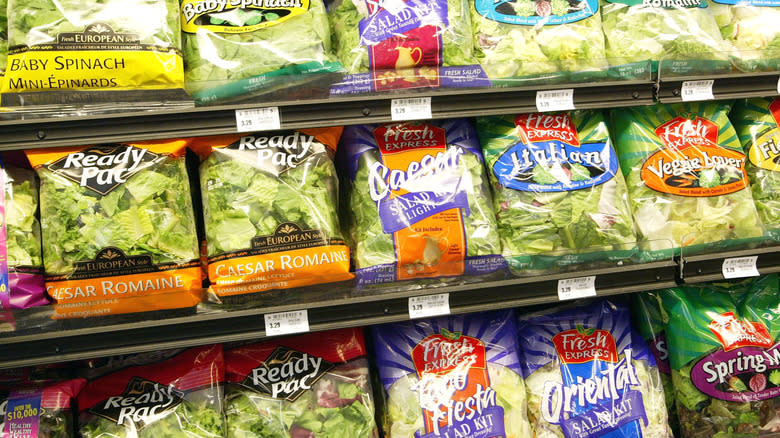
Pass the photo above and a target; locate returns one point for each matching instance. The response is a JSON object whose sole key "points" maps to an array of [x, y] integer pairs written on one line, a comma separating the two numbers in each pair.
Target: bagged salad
{"points": [[452, 376], [558, 194], [39, 409], [419, 202], [314, 385], [270, 204], [118, 228], [177, 397], [686, 177], [588, 374], [751, 27]]}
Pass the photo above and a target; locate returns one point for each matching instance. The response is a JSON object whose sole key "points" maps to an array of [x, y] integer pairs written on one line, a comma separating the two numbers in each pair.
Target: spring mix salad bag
{"points": [[558, 194], [588, 374], [452, 376], [419, 201], [39, 409], [751, 27]]}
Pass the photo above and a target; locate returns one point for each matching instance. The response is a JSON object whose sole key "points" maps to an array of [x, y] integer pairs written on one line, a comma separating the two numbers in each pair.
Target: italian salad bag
{"points": [[568, 351], [118, 228], [419, 202], [751, 27], [686, 178], [302, 386], [39, 409], [177, 397], [452, 376], [558, 194], [270, 203]]}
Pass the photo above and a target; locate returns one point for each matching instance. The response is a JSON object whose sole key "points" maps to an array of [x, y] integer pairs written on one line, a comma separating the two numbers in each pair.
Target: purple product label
{"points": [[661, 353], [740, 375], [386, 273], [467, 76], [489, 423], [402, 211], [606, 417], [411, 15], [22, 416]]}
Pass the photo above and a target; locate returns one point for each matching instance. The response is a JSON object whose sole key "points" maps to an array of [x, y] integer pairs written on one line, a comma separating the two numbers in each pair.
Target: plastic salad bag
{"points": [[452, 376], [39, 409], [234, 48], [588, 374], [178, 397], [686, 177], [314, 385], [751, 27], [559, 196], [118, 228], [270, 204], [74, 51], [419, 202]]}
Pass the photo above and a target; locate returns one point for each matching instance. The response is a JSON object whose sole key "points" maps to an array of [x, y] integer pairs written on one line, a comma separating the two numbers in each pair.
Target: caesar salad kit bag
{"points": [[118, 228], [588, 374], [303, 386], [686, 178], [177, 397], [558, 194], [39, 409], [270, 203], [751, 27], [419, 202], [452, 376], [65, 52]]}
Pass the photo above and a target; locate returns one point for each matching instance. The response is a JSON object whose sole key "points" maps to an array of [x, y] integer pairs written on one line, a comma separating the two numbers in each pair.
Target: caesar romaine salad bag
{"points": [[588, 374], [452, 376], [419, 203], [315, 385], [39, 409], [118, 228], [270, 204], [686, 178], [751, 27], [177, 397], [558, 194]]}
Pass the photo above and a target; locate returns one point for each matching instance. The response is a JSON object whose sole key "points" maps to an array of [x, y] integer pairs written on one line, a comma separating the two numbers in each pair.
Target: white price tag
{"points": [[285, 323], [579, 287], [555, 100], [415, 108], [258, 119], [429, 305], [696, 90], [739, 267]]}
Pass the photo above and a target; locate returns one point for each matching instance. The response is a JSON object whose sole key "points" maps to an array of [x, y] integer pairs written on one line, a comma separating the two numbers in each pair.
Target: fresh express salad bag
{"points": [[314, 385], [452, 376], [686, 177], [559, 196], [419, 204], [39, 409], [751, 28], [588, 374]]}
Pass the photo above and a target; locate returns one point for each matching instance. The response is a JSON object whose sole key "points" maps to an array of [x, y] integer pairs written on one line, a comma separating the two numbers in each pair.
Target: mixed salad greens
{"points": [[193, 420], [23, 233], [751, 28]]}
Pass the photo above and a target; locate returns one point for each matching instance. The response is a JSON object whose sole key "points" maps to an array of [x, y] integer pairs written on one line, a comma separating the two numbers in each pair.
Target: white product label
{"points": [[285, 323], [579, 287], [429, 305], [555, 100], [258, 119], [410, 109], [739, 267], [394, 6], [697, 90]]}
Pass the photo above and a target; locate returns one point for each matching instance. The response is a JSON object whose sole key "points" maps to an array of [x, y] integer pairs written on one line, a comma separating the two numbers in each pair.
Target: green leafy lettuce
{"points": [[754, 33], [3, 35], [23, 231], [188, 419]]}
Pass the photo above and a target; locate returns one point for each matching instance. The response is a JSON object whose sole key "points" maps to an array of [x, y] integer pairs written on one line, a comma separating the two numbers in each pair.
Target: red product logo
{"points": [[774, 108], [680, 133], [401, 137], [583, 345], [537, 127], [733, 333]]}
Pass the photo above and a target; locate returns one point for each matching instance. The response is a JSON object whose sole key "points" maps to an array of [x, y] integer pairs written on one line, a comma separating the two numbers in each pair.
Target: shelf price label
{"points": [[555, 100], [697, 90], [258, 119], [285, 323], [429, 305], [739, 267], [578, 287], [415, 108]]}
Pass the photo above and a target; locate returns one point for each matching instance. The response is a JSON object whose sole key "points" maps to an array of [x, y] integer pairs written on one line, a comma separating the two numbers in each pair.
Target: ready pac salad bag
{"points": [[751, 27], [178, 397], [39, 409], [270, 204], [419, 202], [452, 376], [118, 228], [315, 385], [558, 194], [686, 178], [588, 374]]}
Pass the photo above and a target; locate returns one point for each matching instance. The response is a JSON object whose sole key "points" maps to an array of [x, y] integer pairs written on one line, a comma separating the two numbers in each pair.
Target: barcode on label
{"points": [[697, 90], [555, 100], [429, 305], [415, 108], [285, 323], [258, 119], [739, 267], [579, 287]]}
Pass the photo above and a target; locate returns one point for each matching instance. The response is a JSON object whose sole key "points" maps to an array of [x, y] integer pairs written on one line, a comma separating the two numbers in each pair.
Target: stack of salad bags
{"points": [[751, 27]]}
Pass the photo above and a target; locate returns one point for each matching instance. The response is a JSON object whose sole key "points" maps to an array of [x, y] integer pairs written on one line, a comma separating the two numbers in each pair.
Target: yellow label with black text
{"points": [[765, 151], [238, 16]]}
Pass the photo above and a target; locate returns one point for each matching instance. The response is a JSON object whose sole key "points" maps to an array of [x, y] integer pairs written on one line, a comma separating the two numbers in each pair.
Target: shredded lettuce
{"points": [[23, 231], [753, 32]]}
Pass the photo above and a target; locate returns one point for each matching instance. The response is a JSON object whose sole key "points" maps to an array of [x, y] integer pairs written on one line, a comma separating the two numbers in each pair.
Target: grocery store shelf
{"points": [[725, 86], [709, 267]]}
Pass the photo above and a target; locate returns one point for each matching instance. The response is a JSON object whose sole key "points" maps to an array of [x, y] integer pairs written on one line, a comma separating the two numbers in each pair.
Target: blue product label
{"points": [[405, 210], [411, 14], [537, 12], [22, 416], [387, 273]]}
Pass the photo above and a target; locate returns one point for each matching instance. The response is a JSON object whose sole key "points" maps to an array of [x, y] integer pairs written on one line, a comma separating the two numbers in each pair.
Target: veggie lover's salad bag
{"points": [[393, 44], [39, 409], [588, 374], [270, 204], [559, 195], [315, 385], [177, 397], [118, 228], [419, 202], [751, 27], [686, 178], [452, 376]]}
